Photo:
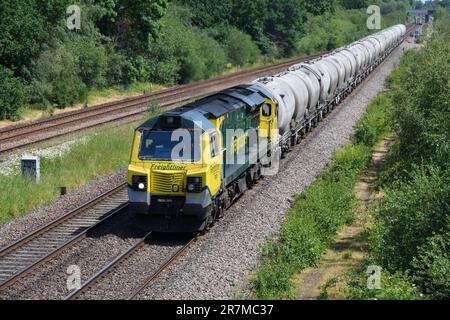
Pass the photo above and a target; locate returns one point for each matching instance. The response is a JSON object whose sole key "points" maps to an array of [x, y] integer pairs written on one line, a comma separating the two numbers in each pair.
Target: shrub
{"points": [[13, 95], [57, 80], [432, 264], [311, 224], [241, 49], [320, 211], [408, 215], [330, 31], [374, 123], [393, 286], [183, 53], [421, 115], [92, 61], [117, 71]]}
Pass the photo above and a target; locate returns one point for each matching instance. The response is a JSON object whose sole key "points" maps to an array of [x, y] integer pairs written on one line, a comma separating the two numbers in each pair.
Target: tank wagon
{"points": [[189, 164]]}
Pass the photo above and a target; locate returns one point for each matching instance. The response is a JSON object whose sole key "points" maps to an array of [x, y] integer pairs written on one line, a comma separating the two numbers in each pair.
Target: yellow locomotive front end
{"points": [[174, 175]]}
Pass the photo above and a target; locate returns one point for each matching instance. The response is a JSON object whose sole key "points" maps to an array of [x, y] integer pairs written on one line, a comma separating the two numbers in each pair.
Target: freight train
{"points": [[191, 163]]}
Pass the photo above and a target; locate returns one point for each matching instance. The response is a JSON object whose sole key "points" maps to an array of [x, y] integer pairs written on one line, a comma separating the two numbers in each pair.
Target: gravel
{"points": [[89, 255], [220, 263], [124, 280]]}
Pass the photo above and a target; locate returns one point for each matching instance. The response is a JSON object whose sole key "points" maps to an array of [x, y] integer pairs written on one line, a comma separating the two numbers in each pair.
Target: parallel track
{"points": [[28, 253]]}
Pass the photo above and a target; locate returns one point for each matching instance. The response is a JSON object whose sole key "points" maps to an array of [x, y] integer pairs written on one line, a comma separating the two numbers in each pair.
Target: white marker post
{"points": [[31, 168]]}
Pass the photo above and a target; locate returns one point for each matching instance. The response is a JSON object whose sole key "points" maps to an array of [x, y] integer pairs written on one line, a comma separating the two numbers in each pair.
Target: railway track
{"points": [[27, 134], [118, 261], [28, 253]]}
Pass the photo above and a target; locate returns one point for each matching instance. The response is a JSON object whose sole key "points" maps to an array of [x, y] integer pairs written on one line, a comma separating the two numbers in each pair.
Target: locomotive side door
{"points": [[269, 125]]}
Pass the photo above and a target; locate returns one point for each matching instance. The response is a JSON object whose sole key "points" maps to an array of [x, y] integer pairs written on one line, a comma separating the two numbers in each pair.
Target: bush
{"points": [[432, 264], [92, 61], [411, 235], [408, 215], [117, 71], [374, 123], [182, 53], [57, 80], [394, 286], [13, 95], [321, 210], [421, 117], [331, 31], [241, 49]]}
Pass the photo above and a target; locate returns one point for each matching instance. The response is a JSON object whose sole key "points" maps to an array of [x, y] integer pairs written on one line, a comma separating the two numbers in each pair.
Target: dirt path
{"points": [[348, 251]]}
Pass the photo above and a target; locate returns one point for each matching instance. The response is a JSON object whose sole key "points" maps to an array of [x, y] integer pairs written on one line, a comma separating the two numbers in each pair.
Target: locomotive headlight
{"points": [[194, 184], [139, 182]]}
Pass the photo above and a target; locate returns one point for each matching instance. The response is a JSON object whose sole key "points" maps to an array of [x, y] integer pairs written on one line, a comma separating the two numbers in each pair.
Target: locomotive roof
{"points": [[196, 114]]}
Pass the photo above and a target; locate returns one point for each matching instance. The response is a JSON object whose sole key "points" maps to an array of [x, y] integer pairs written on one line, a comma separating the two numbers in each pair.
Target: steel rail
{"points": [[108, 268], [113, 265], [29, 252], [162, 268]]}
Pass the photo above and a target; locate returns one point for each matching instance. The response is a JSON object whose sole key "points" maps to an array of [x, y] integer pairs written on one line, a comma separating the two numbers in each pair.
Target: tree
{"points": [[21, 33], [285, 23], [13, 94], [354, 4], [250, 16], [319, 7], [53, 10], [57, 81], [209, 13], [131, 23], [240, 48]]}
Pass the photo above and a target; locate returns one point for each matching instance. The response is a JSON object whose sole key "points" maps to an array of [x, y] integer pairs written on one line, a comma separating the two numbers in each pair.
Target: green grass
{"points": [[311, 225], [102, 153], [320, 211]]}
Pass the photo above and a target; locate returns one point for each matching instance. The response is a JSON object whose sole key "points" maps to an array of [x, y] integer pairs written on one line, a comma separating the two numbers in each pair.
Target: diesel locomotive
{"points": [[191, 163]]}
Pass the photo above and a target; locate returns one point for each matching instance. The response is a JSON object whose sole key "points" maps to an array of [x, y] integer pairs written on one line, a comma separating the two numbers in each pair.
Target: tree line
{"points": [[45, 65]]}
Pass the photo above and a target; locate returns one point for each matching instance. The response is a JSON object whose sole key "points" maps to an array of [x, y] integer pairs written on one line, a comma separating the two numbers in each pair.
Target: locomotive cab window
{"points": [[266, 110], [167, 146]]}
